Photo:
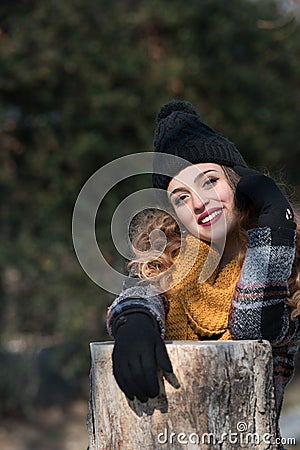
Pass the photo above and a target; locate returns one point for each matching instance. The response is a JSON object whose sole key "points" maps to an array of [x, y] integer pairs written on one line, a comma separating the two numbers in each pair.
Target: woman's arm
{"points": [[259, 310], [137, 296], [136, 320]]}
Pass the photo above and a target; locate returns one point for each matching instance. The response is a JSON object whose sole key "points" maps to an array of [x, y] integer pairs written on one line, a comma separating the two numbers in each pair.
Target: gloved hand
{"points": [[273, 208], [138, 353]]}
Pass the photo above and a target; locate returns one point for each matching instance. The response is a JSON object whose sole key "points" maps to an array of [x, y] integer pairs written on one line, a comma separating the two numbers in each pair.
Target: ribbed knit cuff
{"points": [[153, 305]]}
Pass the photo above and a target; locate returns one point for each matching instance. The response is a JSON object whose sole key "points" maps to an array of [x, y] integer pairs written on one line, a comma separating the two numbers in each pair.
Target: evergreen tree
{"points": [[80, 84]]}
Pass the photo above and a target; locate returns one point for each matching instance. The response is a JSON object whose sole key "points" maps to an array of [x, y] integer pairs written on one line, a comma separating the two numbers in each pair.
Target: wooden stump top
{"points": [[221, 397]]}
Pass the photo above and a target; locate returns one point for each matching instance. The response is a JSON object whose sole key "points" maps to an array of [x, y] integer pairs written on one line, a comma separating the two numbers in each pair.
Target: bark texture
{"points": [[221, 398]]}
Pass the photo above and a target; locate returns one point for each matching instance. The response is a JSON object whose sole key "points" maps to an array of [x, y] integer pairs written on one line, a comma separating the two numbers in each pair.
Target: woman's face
{"points": [[203, 201]]}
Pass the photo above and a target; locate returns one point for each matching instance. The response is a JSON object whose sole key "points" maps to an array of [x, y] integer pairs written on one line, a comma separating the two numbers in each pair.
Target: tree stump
{"points": [[222, 397]]}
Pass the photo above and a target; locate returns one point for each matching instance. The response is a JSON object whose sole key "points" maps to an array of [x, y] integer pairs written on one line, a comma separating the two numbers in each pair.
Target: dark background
{"points": [[80, 85]]}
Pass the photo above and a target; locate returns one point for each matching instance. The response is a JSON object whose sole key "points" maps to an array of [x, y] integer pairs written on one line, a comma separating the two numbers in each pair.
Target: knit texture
{"points": [[180, 132], [199, 309], [258, 303], [261, 291], [142, 296]]}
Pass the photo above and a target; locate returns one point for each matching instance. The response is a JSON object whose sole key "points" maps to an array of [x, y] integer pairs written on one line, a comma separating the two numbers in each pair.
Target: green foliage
{"points": [[80, 84]]}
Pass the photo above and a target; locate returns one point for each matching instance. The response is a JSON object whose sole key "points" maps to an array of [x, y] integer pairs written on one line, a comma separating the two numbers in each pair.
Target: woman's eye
{"points": [[180, 199], [210, 181]]}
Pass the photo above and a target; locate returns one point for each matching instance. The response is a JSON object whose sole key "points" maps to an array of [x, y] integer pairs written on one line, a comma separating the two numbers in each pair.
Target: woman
{"points": [[236, 218]]}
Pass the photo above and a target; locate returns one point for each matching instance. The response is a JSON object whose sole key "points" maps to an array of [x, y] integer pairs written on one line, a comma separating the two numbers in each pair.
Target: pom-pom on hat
{"points": [[181, 132]]}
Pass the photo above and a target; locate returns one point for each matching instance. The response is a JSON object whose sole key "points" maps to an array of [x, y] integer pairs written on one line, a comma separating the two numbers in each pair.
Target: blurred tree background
{"points": [[80, 85]]}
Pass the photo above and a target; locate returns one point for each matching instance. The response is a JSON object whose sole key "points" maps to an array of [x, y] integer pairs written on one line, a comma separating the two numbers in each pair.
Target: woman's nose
{"points": [[198, 202]]}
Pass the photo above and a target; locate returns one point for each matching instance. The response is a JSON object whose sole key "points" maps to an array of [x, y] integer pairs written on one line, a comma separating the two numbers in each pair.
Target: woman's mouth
{"points": [[208, 218]]}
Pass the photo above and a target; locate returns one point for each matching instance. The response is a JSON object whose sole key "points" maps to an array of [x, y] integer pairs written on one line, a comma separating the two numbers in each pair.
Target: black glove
{"points": [[138, 353], [273, 208]]}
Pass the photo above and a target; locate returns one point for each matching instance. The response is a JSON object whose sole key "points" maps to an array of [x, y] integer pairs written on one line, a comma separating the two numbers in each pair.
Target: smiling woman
{"points": [[231, 247], [204, 203]]}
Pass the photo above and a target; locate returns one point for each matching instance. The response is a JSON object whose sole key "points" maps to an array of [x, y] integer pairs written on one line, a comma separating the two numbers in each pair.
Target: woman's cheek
{"points": [[227, 194], [186, 216]]}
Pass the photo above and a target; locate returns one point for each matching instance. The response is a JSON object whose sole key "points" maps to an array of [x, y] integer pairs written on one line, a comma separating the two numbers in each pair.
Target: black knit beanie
{"points": [[181, 132]]}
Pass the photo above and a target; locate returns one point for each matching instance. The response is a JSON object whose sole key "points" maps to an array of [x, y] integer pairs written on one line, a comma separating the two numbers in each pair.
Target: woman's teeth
{"points": [[210, 217]]}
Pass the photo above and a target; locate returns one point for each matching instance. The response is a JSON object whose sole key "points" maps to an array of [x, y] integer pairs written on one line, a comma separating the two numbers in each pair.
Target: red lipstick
{"points": [[214, 212]]}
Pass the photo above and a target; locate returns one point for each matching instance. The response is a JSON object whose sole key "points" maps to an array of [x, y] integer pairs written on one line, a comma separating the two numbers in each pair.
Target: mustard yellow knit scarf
{"points": [[198, 309]]}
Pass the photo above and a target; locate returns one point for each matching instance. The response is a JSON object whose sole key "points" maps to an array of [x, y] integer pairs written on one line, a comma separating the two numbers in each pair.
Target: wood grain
{"points": [[221, 398]]}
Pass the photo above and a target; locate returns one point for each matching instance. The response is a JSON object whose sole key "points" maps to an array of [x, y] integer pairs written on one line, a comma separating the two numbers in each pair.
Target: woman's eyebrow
{"points": [[197, 178], [201, 175]]}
